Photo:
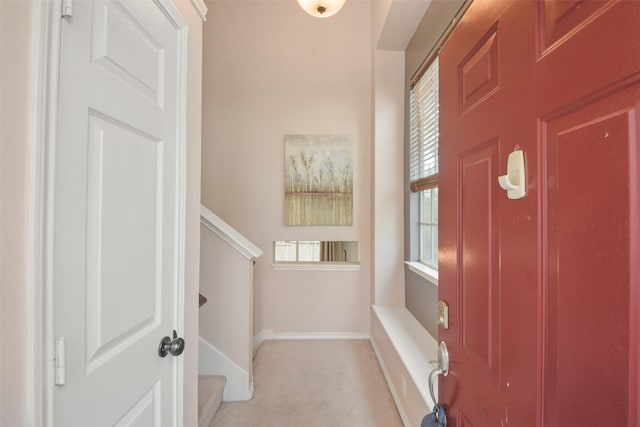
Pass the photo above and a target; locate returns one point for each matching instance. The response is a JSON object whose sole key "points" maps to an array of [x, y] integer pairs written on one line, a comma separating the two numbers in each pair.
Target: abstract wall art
{"points": [[318, 180]]}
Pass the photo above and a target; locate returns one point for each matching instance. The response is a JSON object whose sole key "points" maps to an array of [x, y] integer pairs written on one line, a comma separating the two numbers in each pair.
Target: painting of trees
{"points": [[318, 180]]}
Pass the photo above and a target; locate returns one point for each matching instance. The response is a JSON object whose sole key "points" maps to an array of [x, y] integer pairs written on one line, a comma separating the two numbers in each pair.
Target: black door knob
{"points": [[174, 346]]}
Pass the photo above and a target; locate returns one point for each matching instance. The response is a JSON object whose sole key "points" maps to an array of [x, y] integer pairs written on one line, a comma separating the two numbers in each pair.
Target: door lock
{"points": [[167, 345], [443, 314]]}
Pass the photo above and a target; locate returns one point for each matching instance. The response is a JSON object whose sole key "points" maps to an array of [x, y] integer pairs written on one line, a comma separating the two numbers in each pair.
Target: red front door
{"points": [[543, 291]]}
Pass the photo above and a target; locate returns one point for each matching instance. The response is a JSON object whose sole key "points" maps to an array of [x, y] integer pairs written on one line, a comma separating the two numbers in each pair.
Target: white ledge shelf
{"points": [[427, 273], [227, 233], [316, 266], [413, 344]]}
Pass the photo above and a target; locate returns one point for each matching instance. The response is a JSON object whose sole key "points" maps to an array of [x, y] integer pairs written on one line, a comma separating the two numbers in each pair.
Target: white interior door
{"points": [[118, 213]]}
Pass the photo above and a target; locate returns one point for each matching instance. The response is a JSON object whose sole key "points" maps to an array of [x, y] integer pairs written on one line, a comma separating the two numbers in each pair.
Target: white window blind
{"points": [[423, 136]]}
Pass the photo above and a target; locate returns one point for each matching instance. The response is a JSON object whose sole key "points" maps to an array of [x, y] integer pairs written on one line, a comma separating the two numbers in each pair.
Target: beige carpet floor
{"points": [[314, 383]]}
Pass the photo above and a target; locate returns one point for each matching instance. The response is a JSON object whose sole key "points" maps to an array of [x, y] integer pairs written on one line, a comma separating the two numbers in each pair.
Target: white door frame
{"points": [[45, 67]]}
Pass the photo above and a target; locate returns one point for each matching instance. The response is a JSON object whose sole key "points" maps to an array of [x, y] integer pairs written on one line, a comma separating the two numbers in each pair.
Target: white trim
{"points": [[35, 226], [201, 8], [316, 266], [228, 234], [269, 334], [168, 8], [394, 393], [46, 24], [260, 337], [320, 336], [427, 273], [178, 22]]}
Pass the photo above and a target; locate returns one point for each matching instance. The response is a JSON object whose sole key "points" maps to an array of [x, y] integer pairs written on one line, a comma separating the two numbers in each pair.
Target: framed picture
{"points": [[318, 180]]}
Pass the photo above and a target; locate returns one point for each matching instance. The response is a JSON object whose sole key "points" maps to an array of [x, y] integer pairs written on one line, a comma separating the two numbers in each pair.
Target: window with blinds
{"points": [[423, 159], [423, 136]]}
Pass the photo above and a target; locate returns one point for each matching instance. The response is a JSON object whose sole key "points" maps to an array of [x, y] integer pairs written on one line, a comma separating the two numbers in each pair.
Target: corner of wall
{"points": [[260, 337], [388, 179], [239, 386]]}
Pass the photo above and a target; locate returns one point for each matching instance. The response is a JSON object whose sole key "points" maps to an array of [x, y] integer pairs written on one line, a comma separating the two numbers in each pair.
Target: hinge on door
{"points": [[60, 362], [67, 8]]}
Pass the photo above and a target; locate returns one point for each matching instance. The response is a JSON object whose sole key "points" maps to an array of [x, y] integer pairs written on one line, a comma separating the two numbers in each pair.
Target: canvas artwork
{"points": [[318, 180]]}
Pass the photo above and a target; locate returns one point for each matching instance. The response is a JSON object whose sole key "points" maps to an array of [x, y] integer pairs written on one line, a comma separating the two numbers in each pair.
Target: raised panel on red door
{"points": [[587, 306], [589, 73], [479, 286]]}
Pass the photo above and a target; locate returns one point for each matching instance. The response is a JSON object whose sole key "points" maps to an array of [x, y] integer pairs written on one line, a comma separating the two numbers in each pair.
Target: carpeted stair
{"points": [[210, 388]]}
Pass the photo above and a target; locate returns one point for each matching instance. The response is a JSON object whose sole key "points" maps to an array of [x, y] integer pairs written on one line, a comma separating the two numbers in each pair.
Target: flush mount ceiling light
{"points": [[321, 8]]}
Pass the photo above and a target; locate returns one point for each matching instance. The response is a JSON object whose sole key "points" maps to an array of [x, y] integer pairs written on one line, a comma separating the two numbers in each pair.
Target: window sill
{"points": [[316, 266], [427, 273]]}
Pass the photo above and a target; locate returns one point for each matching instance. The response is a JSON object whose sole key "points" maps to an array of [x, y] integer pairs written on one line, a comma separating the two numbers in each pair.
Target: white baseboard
{"points": [[211, 361], [392, 389], [321, 336], [269, 334], [265, 334]]}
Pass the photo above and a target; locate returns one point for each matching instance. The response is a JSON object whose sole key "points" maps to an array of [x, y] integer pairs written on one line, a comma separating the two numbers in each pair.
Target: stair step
{"points": [[210, 388]]}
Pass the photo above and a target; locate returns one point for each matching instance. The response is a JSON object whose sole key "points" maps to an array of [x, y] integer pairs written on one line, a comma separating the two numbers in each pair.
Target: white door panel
{"points": [[123, 236], [145, 412], [125, 47], [117, 214]]}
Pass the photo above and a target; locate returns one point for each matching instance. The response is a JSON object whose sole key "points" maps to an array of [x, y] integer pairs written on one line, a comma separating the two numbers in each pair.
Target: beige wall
{"points": [[226, 320], [226, 278], [15, 148], [271, 70], [379, 12], [389, 179]]}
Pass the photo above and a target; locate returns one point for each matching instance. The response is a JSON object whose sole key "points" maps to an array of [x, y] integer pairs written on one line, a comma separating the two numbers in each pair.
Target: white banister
{"points": [[214, 223]]}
